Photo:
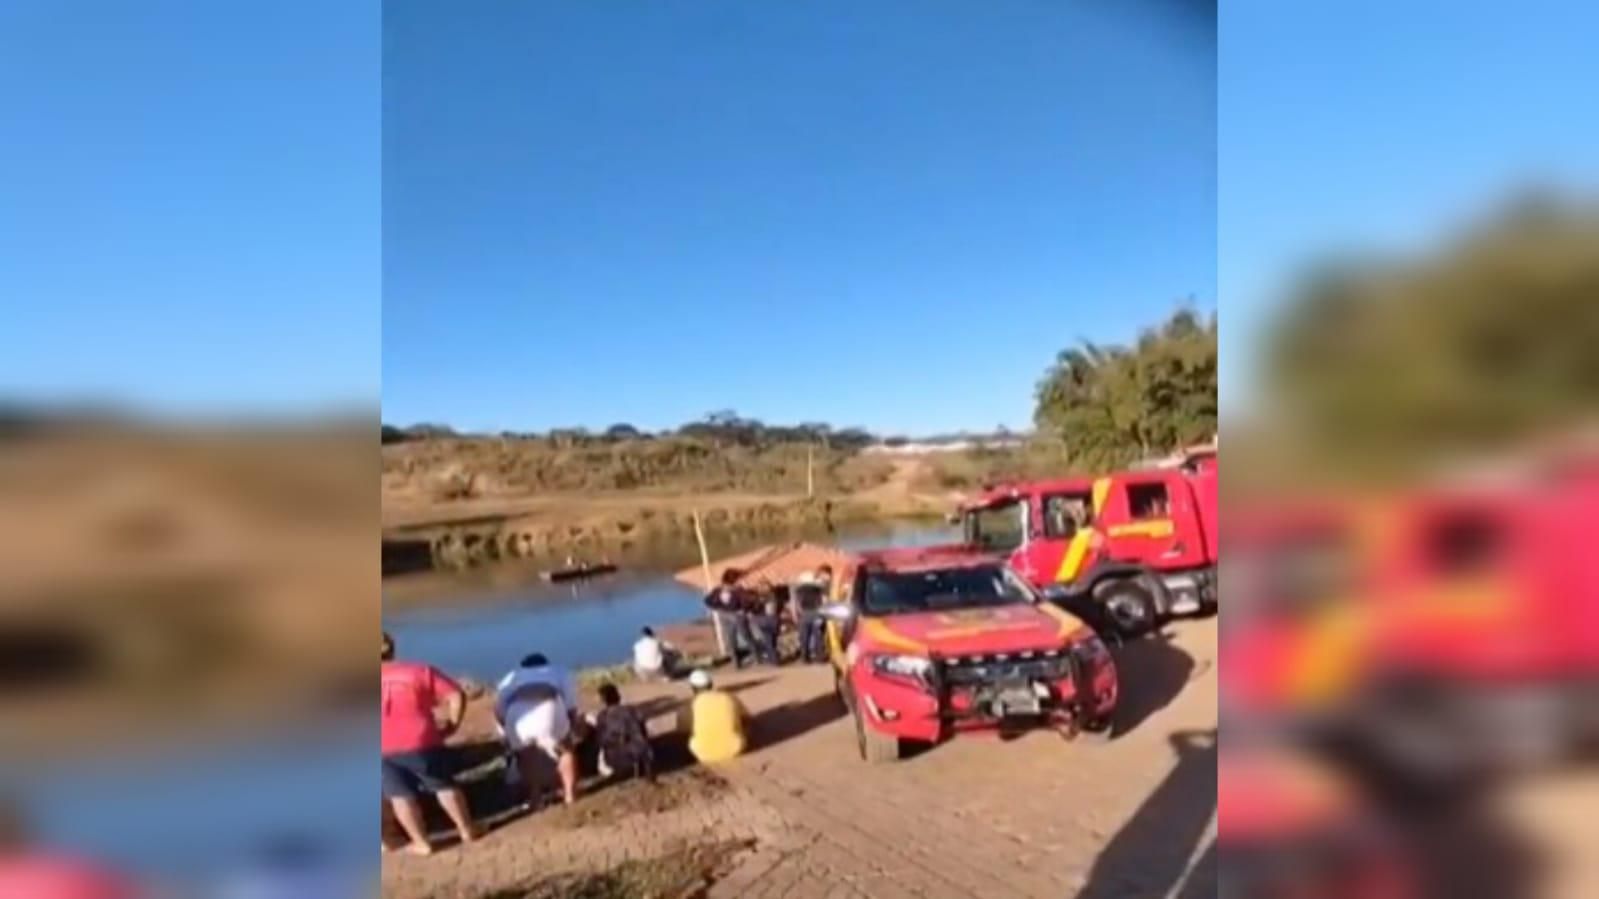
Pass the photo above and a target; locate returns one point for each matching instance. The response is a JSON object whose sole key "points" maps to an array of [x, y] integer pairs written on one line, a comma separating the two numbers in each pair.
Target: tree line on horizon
{"points": [[723, 428], [1097, 406]]}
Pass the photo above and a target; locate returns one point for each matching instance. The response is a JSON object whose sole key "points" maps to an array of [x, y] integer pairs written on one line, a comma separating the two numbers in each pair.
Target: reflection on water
{"points": [[485, 634], [212, 810]]}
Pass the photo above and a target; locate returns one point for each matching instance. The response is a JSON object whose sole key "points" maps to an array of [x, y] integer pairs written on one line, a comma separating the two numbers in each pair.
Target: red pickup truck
{"points": [[931, 641]]}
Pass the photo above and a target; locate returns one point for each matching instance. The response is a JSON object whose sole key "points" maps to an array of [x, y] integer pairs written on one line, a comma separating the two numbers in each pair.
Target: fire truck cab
{"points": [[1128, 549]]}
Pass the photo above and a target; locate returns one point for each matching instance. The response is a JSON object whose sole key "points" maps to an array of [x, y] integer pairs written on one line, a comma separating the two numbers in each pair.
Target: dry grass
{"points": [[457, 502], [971, 469], [454, 468]]}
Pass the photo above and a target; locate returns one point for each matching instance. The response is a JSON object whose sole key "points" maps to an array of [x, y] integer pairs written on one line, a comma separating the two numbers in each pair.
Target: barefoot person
{"points": [[536, 706], [413, 746]]}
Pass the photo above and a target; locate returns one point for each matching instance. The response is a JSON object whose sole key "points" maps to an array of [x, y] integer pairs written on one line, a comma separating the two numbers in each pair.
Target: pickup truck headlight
{"points": [[916, 668]]}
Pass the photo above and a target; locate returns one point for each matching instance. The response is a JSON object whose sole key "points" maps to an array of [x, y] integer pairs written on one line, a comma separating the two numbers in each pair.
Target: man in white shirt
{"points": [[535, 706], [653, 658]]}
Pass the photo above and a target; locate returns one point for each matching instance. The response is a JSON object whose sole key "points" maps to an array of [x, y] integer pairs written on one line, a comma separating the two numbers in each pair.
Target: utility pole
{"points": [[810, 470], [705, 568]]}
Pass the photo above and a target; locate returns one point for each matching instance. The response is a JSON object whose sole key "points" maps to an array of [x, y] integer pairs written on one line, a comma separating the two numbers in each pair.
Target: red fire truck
{"points": [[1127, 549]]}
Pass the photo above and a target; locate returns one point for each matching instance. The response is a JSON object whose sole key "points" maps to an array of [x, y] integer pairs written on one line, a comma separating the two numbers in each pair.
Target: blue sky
{"points": [[888, 214], [190, 218], [1367, 127]]}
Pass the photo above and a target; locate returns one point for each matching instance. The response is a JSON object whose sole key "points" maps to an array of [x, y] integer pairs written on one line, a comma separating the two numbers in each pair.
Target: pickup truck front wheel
{"points": [[1128, 604], [875, 747]]}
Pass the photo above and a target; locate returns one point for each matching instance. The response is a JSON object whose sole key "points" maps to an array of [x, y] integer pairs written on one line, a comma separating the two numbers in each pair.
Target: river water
{"points": [[209, 811], [484, 635]]}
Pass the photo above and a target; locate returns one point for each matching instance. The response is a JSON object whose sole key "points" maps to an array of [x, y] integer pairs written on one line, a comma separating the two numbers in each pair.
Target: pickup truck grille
{"points": [[1005, 668]]}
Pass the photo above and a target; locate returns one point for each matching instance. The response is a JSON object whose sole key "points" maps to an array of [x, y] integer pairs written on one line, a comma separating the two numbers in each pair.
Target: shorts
{"points": [[545, 725], [407, 774]]}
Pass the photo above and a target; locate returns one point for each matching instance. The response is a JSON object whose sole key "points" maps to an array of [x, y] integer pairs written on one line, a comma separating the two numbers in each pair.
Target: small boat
{"points": [[577, 572]]}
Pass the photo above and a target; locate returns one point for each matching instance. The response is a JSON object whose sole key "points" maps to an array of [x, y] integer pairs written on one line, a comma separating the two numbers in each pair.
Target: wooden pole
{"points": [[810, 473], [705, 567]]}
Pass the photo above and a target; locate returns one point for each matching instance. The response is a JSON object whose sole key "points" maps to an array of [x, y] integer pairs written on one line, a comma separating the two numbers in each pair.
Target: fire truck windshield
{"points": [[1000, 527]]}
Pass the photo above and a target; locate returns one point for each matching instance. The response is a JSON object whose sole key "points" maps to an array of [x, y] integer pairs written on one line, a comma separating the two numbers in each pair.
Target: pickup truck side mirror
{"points": [[837, 611]]}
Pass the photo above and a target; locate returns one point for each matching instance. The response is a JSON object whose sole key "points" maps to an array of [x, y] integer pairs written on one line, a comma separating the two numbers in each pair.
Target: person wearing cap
{"points": [[412, 741], [714, 720]]}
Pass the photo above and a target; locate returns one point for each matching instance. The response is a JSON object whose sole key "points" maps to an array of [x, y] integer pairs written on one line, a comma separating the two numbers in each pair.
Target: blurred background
{"points": [[189, 269], [1409, 263], [1409, 266]]}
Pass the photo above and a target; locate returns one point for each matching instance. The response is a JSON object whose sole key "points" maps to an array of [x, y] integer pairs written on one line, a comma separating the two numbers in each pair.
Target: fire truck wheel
{"points": [[875, 748], [1129, 604]]}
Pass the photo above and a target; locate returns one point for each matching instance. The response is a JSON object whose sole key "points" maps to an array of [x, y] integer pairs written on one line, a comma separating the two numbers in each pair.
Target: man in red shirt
{"points": [[413, 746]]}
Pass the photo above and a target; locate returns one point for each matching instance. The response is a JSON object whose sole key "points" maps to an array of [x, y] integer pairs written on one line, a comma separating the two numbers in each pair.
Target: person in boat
{"points": [[536, 707], [729, 605], [623, 739], [654, 658], [414, 756], [714, 720]]}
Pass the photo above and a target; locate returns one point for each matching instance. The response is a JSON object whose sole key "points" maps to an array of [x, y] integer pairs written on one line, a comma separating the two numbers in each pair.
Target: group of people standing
{"points": [[750, 619]]}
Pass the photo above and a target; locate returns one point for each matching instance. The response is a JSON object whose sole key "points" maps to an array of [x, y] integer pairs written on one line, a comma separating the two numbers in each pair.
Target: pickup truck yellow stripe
{"points": [[1068, 623], [883, 634]]}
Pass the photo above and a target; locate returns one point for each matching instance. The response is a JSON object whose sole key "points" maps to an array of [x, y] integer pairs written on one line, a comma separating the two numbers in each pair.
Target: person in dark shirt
{"points": [[624, 741], [730, 605], [764, 622]]}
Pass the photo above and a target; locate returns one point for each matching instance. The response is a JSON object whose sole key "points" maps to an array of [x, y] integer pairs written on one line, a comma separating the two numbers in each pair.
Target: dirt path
{"points": [[1034, 817]]}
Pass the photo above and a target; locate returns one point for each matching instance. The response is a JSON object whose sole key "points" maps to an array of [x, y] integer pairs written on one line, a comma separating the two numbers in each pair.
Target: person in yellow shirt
{"points": [[714, 720]]}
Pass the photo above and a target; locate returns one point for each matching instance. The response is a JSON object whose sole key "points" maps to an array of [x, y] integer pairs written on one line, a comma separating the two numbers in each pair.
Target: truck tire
{"points": [[875, 748], [1129, 605]]}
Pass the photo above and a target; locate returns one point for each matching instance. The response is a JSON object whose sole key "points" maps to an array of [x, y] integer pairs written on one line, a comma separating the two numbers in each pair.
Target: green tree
{"points": [[1112, 404], [1474, 348]]}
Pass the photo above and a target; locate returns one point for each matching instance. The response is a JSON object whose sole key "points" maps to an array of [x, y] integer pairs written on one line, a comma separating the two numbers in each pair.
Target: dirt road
{"points": [[1128, 815]]}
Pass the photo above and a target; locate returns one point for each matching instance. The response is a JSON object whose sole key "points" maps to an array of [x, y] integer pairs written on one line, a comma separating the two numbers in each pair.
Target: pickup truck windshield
{"points": [[894, 593]]}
